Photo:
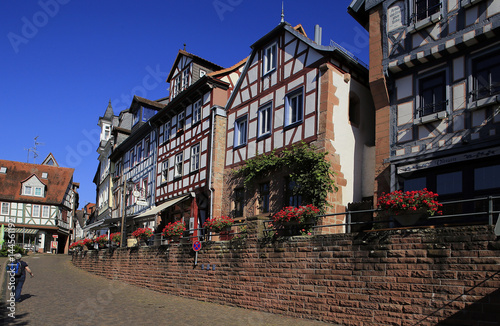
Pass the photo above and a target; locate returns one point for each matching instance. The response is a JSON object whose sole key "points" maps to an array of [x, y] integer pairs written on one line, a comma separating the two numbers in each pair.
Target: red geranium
{"points": [[174, 229], [218, 224], [399, 202]]}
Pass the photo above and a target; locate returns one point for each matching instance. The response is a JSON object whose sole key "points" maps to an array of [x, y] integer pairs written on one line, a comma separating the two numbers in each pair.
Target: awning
{"points": [[22, 230], [111, 222], [155, 210], [93, 226]]}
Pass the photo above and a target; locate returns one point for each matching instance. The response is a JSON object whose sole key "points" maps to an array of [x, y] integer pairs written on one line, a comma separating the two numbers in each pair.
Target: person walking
{"points": [[19, 269]]}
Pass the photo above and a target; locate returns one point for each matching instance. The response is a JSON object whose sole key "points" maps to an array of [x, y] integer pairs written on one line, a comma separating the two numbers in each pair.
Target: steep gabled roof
{"points": [[58, 180], [223, 72], [146, 102], [108, 115], [196, 58]]}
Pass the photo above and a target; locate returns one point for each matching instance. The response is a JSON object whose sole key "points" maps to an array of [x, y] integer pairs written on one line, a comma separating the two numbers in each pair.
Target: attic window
{"points": [[3, 169], [44, 175]]}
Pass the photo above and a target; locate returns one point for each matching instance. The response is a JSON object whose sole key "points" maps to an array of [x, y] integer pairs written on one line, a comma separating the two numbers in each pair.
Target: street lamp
{"points": [[127, 188]]}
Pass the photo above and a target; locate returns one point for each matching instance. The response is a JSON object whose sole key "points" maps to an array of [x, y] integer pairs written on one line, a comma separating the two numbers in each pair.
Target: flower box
{"points": [[219, 224]]}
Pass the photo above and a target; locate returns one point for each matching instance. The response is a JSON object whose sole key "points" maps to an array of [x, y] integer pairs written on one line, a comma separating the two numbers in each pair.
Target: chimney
{"points": [[317, 34]]}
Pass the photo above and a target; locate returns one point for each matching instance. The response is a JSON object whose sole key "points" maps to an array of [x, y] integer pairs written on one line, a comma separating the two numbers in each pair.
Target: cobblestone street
{"points": [[61, 294]]}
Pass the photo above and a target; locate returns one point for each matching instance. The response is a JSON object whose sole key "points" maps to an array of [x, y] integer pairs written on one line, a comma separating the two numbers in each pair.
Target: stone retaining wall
{"points": [[397, 277]]}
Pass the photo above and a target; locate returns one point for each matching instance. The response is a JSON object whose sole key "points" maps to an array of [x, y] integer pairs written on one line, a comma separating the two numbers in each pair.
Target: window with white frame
{"points": [[176, 88], [197, 111], [45, 211], [36, 211], [294, 107], [132, 159], [240, 132], [164, 171], [167, 131], [264, 120], [432, 94], [269, 62], [195, 157], [5, 208], [139, 153], [107, 131], [426, 8], [144, 191], [185, 79], [180, 122], [147, 147], [486, 75], [38, 191], [28, 190], [178, 166]]}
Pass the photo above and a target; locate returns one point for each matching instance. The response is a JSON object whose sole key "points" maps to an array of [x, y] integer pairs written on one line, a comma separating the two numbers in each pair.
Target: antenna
{"points": [[33, 150]]}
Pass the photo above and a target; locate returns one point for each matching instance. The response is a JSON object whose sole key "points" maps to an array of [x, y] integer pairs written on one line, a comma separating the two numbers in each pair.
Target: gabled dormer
{"points": [[142, 110], [33, 187], [187, 69], [50, 160]]}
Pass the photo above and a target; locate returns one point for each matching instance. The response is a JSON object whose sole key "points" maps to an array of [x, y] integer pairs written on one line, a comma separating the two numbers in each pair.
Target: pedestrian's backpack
{"points": [[16, 268]]}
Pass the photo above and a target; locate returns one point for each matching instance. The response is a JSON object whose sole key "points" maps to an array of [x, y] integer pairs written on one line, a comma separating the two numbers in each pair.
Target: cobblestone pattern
{"points": [[398, 277], [61, 294]]}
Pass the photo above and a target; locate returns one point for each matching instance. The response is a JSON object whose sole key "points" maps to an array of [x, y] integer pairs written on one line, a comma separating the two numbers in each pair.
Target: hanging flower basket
{"points": [[407, 208], [219, 224], [115, 238], [143, 234], [290, 216], [102, 241], [174, 230]]}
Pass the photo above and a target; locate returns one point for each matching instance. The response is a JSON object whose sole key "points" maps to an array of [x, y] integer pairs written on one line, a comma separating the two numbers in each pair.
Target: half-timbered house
{"points": [[294, 90], [191, 130], [435, 78], [133, 161], [37, 204]]}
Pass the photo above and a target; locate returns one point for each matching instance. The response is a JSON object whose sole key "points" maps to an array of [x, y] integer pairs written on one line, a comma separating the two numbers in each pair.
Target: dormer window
{"points": [[28, 190], [45, 175], [33, 191], [269, 62], [3, 169]]}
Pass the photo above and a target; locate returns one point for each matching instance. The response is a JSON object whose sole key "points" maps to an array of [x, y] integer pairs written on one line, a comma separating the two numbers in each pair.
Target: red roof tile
{"points": [[57, 182]]}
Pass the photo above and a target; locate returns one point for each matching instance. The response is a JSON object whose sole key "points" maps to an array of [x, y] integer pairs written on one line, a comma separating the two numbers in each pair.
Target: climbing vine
{"points": [[308, 168]]}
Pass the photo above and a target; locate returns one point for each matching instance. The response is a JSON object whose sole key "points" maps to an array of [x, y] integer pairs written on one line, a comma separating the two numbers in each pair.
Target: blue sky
{"points": [[63, 60]]}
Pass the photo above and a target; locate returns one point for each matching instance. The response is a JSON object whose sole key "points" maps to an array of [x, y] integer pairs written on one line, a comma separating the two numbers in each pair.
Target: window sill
{"points": [[426, 22], [265, 74], [430, 118], [239, 146], [484, 102], [262, 137], [469, 3], [292, 125]]}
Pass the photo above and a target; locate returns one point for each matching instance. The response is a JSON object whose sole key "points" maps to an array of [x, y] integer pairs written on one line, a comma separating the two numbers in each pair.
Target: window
{"points": [[449, 183], [144, 190], [487, 177], [147, 114], [197, 111], [178, 166], [132, 161], [5, 208], [28, 190], [486, 72], [264, 197], [139, 153], [185, 79], [164, 172], [432, 94], [238, 202], [414, 184], [354, 110], [107, 131], [269, 59], [36, 211], [180, 122], [293, 107], [264, 120], [202, 73], [167, 131], [45, 211], [176, 88], [137, 117], [293, 199], [44, 175], [195, 157], [38, 192], [425, 8], [147, 147], [3, 169], [240, 132]]}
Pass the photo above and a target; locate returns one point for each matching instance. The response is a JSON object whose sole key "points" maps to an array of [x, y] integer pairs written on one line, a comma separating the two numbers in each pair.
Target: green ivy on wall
{"points": [[308, 168]]}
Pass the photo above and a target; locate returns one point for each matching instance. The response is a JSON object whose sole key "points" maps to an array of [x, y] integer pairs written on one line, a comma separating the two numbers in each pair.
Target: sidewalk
{"points": [[61, 294]]}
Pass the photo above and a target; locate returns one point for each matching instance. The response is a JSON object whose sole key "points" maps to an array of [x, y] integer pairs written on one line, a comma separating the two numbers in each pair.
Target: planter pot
{"points": [[409, 218], [175, 238], [226, 229]]}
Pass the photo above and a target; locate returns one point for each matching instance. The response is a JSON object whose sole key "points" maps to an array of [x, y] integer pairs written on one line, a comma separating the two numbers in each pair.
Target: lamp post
{"points": [[123, 230]]}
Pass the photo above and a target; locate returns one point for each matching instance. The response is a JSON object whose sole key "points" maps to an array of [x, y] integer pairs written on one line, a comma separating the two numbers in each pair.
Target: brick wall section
{"points": [[397, 277], [218, 160]]}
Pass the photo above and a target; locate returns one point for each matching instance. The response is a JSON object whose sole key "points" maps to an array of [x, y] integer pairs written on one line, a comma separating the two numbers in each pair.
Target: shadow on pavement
{"points": [[5, 319]]}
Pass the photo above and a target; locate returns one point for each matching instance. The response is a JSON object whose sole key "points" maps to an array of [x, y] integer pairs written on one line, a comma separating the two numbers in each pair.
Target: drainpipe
{"points": [[212, 132]]}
